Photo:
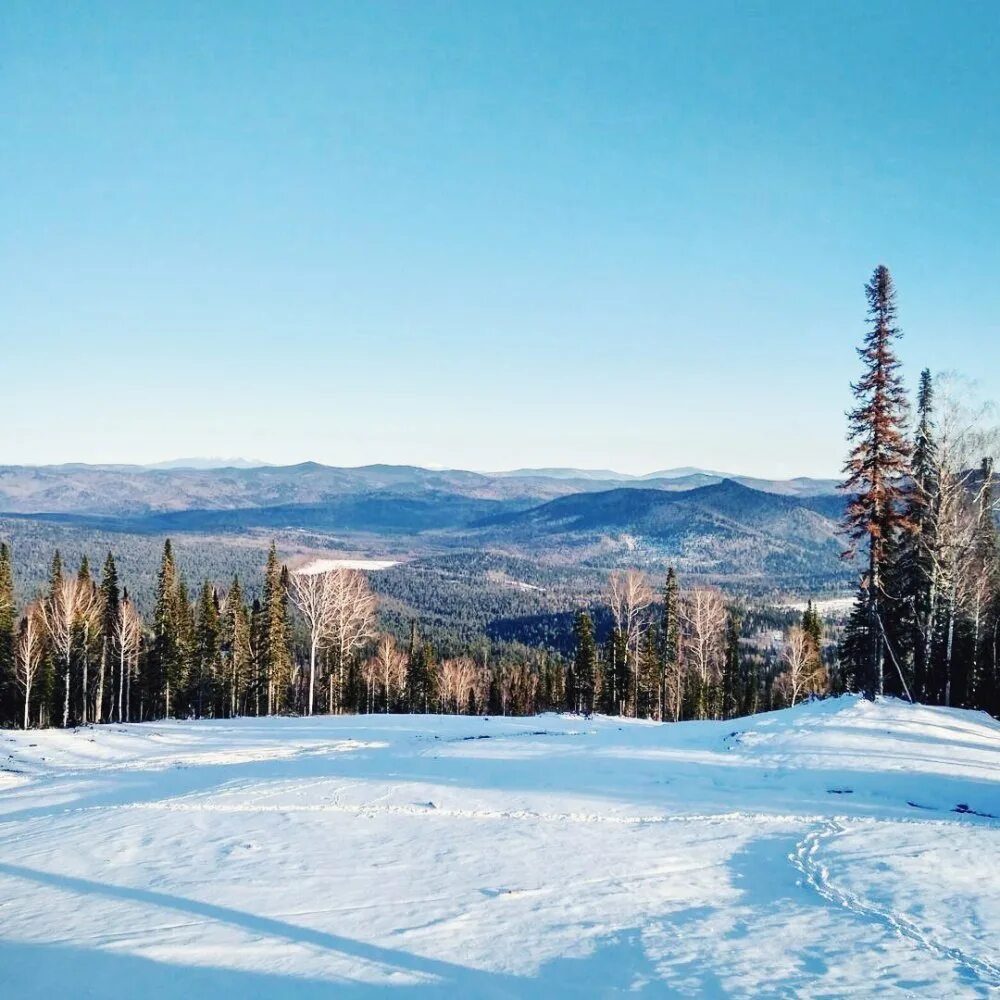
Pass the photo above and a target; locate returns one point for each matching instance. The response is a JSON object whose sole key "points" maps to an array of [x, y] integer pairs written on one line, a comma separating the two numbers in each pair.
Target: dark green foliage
{"points": [[420, 675], [274, 649], [110, 609], [614, 683], [734, 679], [812, 625], [168, 664], [584, 670], [204, 696]]}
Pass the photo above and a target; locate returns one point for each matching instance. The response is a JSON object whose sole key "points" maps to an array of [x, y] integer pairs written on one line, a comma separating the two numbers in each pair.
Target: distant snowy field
{"points": [[836, 849], [315, 566]]}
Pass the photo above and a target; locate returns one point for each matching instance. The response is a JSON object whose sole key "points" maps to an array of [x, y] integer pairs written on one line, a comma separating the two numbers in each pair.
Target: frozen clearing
{"points": [[328, 565], [837, 849]]}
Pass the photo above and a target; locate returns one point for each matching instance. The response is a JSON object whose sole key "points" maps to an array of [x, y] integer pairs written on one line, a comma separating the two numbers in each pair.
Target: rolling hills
{"points": [[479, 554]]}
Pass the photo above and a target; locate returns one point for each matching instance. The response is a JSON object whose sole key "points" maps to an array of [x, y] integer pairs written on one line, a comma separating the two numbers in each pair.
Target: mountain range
{"points": [[728, 528], [135, 491]]}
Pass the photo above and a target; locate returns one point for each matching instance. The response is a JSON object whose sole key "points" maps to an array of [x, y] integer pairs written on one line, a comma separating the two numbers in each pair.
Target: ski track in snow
{"points": [[810, 758], [807, 859]]}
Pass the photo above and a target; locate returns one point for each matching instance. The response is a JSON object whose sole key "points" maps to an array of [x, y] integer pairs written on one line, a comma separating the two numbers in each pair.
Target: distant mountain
{"points": [[209, 463], [785, 533], [608, 475], [605, 475], [685, 477], [130, 491], [685, 471], [726, 529]]}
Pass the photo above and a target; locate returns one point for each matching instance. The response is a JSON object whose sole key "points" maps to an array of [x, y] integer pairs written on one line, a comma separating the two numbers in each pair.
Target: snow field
{"points": [[811, 852]]}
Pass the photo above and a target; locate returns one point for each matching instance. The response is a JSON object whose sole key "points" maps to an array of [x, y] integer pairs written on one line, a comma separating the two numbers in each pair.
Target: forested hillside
{"points": [[663, 596]]}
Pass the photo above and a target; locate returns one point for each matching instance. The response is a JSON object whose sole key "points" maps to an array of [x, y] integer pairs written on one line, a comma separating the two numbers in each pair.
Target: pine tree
{"points": [[110, 608], [185, 646], [649, 670], [671, 631], [167, 655], [207, 652], [236, 649], [732, 668], [277, 659], [584, 663], [258, 646], [420, 673], [615, 681], [47, 684], [812, 625], [414, 677], [914, 576], [874, 472]]}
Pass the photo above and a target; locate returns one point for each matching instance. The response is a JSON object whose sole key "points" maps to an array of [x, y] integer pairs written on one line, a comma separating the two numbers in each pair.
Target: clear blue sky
{"points": [[627, 235]]}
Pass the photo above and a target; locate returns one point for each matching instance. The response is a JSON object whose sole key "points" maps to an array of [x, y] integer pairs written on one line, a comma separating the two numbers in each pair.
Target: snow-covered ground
{"points": [[836, 849], [327, 565], [834, 607]]}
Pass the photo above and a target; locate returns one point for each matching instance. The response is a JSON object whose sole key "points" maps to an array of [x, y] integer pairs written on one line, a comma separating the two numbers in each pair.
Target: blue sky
{"points": [[627, 235]]}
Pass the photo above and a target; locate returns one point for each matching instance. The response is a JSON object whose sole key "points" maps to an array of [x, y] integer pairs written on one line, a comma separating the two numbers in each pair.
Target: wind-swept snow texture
{"points": [[841, 848]]}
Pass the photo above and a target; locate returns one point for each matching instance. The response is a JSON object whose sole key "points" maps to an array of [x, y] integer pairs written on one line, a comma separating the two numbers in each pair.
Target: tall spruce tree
{"points": [[914, 578], [732, 675], [649, 674], [875, 471], [416, 672], [110, 609], [584, 663], [167, 654], [276, 653], [235, 650], [207, 652], [614, 684], [671, 632], [48, 688], [812, 625], [185, 645]]}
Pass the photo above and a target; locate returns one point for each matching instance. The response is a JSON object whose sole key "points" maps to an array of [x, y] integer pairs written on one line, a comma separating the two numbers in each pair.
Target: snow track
{"points": [[807, 858]]}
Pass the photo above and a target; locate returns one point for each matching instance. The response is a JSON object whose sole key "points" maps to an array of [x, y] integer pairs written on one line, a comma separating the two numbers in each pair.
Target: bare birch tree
{"points": [[458, 679], [804, 673], [64, 609], [965, 434], [703, 618], [89, 622], [370, 677], [29, 654], [354, 618], [390, 666], [127, 638], [630, 595], [316, 596]]}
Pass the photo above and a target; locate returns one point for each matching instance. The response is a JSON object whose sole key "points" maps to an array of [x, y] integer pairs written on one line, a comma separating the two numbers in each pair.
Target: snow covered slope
{"points": [[841, 848]]}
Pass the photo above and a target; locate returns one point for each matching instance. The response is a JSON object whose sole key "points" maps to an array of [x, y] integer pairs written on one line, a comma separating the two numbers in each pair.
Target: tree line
{"points": [[922, 520], [685, 656], [82, 652]]}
